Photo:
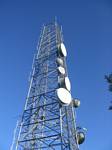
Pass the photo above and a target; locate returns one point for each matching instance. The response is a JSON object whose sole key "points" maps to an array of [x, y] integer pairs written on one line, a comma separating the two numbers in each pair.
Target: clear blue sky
{"points": [[87, 28]]}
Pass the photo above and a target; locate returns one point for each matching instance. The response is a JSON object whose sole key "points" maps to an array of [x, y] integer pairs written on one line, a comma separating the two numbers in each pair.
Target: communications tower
{"points": [[48, 120]]}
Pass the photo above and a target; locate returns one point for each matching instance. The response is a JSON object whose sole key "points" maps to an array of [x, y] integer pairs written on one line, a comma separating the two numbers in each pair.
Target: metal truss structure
{"points": [[46, 124]]}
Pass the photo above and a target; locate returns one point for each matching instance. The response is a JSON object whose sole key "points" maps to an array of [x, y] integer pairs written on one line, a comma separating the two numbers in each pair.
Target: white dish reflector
{"points": [[59, 61], [65, 83], [61, 70], [64, 96], [62, 50]]}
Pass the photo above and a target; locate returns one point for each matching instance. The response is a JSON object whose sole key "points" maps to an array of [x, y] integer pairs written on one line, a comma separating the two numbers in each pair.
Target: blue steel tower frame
{"points": [[46, 124]]}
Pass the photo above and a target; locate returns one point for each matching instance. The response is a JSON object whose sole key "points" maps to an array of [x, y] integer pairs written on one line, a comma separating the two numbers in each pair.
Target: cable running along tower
{"points": [[48, 120]]}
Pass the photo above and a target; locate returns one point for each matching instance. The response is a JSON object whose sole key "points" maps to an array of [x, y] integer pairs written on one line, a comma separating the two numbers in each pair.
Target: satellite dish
{"points": [[80, 137], [64, 96], [65, 83], [76, 103], [62, 50], [59, 61], [61, 70]]}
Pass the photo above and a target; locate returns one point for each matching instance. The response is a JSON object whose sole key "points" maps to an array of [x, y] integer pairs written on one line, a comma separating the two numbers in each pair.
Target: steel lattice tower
{"points": [[46, 124]]}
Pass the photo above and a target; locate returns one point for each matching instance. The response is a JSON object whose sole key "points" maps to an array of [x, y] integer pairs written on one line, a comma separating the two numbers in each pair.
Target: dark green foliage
{"points": [[109, 80], [110, 108]]}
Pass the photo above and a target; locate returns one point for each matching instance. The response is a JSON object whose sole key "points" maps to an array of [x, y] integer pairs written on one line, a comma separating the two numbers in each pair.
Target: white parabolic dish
{"points": [[61, 70], [64, 96], [59, 61], [67, 83], [63, 50]]}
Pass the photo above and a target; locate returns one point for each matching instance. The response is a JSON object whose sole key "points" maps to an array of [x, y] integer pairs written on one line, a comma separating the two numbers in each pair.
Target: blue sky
{"points": [[87, 29]]}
